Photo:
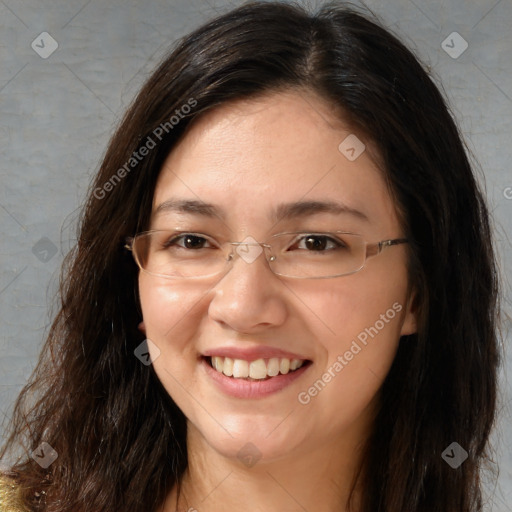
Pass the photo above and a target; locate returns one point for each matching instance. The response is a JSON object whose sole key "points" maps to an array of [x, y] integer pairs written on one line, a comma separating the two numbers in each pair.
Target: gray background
{"points": [[57, 114]]}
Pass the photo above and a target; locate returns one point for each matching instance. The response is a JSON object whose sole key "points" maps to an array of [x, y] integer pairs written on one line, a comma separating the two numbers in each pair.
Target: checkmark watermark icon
{"points": [[454, 45], [44, 455], [351, 147], [147, 352], [249, 455], [454, 455], [44, 45], [44, 250], [249, 249]]}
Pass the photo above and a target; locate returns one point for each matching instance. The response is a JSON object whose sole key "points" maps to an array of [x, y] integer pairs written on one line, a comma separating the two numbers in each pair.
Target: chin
{"points": [[248, 440]]}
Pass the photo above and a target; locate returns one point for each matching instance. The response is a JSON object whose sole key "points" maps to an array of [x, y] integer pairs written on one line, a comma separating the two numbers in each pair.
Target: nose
{"points": [[249, 297]]}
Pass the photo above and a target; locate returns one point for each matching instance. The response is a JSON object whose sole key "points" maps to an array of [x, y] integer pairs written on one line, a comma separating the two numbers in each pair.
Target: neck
{"points": [[317, 478]]}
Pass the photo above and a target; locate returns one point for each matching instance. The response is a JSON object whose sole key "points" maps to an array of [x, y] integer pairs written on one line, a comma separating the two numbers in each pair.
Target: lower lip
{"points": [[240, 388]]}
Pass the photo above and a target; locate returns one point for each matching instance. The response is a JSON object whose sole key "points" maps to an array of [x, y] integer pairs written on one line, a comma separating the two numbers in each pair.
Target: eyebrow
{"points": [[283, 211]]}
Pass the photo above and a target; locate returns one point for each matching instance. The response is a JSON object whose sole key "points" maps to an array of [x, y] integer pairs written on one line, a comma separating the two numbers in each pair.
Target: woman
{"points": [[284, 289]]}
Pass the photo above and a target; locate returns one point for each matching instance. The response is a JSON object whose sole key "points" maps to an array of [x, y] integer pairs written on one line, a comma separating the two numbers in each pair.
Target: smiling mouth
{"points": [[257, 370]]}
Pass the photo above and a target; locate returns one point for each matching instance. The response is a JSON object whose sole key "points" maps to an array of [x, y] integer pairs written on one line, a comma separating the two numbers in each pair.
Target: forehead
{"points": [[249, 156]]}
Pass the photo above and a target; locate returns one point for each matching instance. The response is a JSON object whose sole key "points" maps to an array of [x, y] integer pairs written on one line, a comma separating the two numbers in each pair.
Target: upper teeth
{"points": [[258, 369]]}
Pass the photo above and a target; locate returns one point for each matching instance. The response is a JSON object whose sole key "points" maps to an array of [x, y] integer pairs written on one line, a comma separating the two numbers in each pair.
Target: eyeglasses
{"points": [[182, 254]]}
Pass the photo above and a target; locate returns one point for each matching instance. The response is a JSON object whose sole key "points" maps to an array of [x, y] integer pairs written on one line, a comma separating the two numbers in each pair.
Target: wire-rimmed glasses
{"points": [[177, 254]]}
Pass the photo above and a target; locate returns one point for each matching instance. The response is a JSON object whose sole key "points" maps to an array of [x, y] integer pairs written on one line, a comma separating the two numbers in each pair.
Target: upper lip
{"points": [[251, 354]]}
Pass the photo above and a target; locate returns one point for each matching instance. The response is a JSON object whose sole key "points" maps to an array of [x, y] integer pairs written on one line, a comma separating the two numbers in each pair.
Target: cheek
{"points": [[361, 319], [170, 312], [356, 304], [159, 306], [171, 320], [172, 316], [357, 352]]}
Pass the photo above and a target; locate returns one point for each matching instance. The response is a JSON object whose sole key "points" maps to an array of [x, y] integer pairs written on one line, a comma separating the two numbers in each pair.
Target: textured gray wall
{"points": [[58, 111]]}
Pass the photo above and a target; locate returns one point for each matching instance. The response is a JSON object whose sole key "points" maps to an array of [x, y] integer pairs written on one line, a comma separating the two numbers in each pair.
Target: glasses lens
{"points": [[176, 254], [317, 254]]}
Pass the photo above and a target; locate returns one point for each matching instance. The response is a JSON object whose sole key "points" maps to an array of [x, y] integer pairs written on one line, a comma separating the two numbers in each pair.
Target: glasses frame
{"points": [[371, 249]]}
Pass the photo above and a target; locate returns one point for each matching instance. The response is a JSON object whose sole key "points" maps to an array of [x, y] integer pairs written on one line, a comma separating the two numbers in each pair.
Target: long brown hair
{"points": [[119, 436]]}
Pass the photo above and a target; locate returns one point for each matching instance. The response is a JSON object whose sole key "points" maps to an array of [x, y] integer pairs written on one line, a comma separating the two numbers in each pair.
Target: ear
{"points": [[142, 328], [409, 325]]}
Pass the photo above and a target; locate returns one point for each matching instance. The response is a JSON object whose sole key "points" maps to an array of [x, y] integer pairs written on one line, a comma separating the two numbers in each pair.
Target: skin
{"points": [[246, 157]]}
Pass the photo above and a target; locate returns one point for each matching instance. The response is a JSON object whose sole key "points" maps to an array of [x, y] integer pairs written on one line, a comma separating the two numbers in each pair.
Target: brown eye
{"points": [[187, 241], [318, 243]]}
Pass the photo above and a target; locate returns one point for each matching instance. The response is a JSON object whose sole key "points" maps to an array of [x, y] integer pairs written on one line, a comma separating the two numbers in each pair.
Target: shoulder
{"points": [[9, 501]]}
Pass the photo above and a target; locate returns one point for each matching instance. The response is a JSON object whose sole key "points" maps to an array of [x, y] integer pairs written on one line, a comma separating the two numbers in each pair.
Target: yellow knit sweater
{"points": [[9, 501]]}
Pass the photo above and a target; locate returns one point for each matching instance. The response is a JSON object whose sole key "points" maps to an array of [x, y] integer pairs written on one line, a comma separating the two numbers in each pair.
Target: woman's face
{"points": [[246, 159]]}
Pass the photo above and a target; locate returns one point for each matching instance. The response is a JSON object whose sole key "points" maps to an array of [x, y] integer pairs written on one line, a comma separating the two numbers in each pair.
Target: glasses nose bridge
{"points": [[247, 257]]}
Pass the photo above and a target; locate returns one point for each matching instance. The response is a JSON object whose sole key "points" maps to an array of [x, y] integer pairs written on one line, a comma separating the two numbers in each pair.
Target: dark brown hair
{"points": [[119, 436]]}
